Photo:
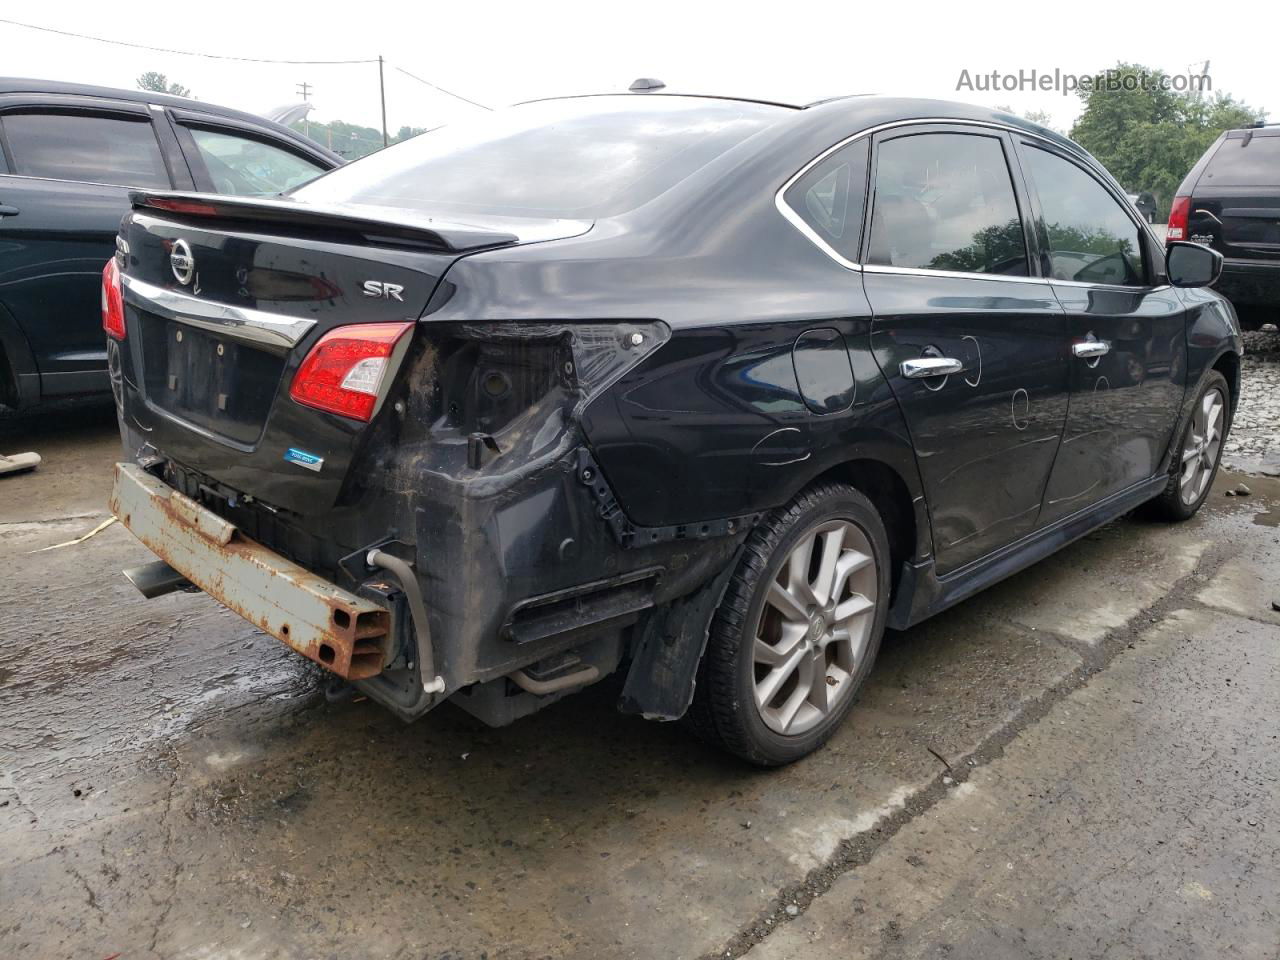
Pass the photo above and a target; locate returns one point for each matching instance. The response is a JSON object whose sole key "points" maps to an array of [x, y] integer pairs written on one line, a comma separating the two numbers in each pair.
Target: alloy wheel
{"points": [[813, 628], [1200, 450]]}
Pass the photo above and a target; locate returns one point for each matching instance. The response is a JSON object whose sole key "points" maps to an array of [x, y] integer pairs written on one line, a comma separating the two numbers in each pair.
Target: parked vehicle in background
{"points": [[709, 391], [1145, 203], [69, 155], [1230, 201]]}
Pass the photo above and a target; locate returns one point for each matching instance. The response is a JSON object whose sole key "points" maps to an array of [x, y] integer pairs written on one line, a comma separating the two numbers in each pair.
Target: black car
{"points": [[69, 155], [1230, 201], [701, 390]]}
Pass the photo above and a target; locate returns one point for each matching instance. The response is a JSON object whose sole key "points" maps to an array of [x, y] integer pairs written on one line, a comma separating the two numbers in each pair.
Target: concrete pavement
{"points": [[173, 785]]}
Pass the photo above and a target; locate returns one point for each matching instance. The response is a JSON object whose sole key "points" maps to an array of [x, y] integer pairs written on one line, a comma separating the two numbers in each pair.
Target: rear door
{"points": [[1126, 334], [71, 163], [948, 273]]}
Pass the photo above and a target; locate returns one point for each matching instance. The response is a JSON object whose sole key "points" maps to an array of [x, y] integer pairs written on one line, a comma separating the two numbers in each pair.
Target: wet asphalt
{"points": [[1079, 762]]}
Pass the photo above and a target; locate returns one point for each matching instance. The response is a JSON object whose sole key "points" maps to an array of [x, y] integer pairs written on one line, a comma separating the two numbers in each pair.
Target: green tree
{"points": [[1039, 117], [350, 139], [407, 133], [1149, 137], [158, 82]]}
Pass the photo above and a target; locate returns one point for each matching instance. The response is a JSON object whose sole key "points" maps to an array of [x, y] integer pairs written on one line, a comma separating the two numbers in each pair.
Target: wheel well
{"points": [[1229, 366], [8, 381], [884, 488]]}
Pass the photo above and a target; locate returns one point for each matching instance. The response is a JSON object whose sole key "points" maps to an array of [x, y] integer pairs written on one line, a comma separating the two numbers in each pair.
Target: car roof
{"points": [[859, 112], [864, 112], [20, 85]]}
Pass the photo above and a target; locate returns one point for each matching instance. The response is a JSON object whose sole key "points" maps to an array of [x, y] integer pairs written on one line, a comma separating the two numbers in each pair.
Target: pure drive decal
{"points": [[304, 459]]}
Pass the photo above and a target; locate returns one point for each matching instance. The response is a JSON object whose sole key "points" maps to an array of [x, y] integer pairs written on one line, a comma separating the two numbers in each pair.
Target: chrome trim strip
{"points": [[1117, 287], [273, 331], [798, 222], [959, 274]]}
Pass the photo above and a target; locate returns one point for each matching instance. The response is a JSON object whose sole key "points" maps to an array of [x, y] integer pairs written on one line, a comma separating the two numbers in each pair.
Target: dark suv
{"points": [[1231, 201], [69, 154]]}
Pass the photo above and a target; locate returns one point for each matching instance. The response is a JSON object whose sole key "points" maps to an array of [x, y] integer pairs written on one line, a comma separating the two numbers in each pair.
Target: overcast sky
{"points": [[498, 52]]}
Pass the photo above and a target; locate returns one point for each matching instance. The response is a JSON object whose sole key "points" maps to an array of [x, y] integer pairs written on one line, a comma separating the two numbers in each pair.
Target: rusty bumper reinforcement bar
{"points": [[338, 630]]}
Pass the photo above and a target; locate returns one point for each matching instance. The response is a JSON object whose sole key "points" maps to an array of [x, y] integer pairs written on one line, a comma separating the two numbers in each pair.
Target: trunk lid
{"points": [[224, 297]]}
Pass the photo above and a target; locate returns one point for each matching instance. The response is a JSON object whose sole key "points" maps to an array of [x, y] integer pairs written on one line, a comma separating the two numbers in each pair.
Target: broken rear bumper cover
{"points": [[345, 634]]}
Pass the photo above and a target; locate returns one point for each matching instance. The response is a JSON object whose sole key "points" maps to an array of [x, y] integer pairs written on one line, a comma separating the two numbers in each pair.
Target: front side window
{"points": [[829, 198], [945, 201], [1090, 237], [84, 147], [250, 168]]}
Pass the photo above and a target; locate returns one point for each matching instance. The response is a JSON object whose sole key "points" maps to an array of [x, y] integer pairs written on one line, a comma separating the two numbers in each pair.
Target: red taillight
{"points": [[112, 301], [1179, 213], [344, 370]]}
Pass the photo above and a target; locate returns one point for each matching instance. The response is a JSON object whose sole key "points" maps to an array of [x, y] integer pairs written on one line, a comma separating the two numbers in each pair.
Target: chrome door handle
{"points": [[930, 367], [1091, 348], [8, 211]]}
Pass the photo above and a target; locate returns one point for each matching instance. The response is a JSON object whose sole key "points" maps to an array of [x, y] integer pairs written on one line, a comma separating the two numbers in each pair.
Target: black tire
{"points": [[724, 711], [1171, 505]]}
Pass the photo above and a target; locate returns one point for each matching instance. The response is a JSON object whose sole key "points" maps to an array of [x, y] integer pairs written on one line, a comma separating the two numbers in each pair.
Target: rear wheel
{"points": [[1196, 460], [798, 628]]}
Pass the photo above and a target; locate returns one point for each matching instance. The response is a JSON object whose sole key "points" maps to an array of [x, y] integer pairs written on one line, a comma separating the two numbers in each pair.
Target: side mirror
{"points": [[1192, 265]]}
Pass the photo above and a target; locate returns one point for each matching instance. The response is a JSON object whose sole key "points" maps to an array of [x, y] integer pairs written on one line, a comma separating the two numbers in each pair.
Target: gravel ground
{"points": [[1254, 443]]}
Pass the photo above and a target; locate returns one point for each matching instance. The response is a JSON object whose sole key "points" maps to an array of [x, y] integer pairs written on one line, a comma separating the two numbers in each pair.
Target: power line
{"points": [[435, 86], [184, 53]]}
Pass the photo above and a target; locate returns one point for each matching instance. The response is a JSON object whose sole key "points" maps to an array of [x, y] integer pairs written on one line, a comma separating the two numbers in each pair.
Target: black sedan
{"points": [[706, 391]]}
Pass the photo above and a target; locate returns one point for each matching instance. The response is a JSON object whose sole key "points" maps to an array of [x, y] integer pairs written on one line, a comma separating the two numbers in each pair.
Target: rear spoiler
{"points": [[375, 224]]}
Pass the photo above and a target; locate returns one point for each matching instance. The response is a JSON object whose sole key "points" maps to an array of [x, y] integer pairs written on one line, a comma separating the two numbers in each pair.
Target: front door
{"points": [[971, 343], [1126, 335]]}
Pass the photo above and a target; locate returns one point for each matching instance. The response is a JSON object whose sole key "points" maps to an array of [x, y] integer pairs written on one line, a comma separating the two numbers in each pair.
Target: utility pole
{"points": [[304, 90], [382, 93]]}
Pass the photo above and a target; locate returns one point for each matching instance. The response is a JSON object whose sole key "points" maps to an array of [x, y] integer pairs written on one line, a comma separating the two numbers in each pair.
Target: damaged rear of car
{"points": [[380, 418]]}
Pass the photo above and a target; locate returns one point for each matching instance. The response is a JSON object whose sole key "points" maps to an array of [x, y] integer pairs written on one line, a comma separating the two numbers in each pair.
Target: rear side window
{"points": [[829, 198], [1245, 161], [1090, 237], [247, 167], [93, 149], [945, 201], [583, 157]]}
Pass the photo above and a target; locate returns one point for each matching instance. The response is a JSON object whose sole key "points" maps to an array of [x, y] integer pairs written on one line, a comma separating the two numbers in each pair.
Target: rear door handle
{"points": [[1091, 348], [930, 367], [8, 211]]}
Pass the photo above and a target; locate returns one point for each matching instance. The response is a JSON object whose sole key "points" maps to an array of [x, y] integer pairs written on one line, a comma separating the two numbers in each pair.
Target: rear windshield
{"points": [[1246, 161], [580, 158]]}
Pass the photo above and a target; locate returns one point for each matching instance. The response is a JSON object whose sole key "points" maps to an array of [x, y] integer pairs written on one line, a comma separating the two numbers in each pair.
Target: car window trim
{"points": [[794, 218], [179, 170], [1151, 273], [4, 150]]}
